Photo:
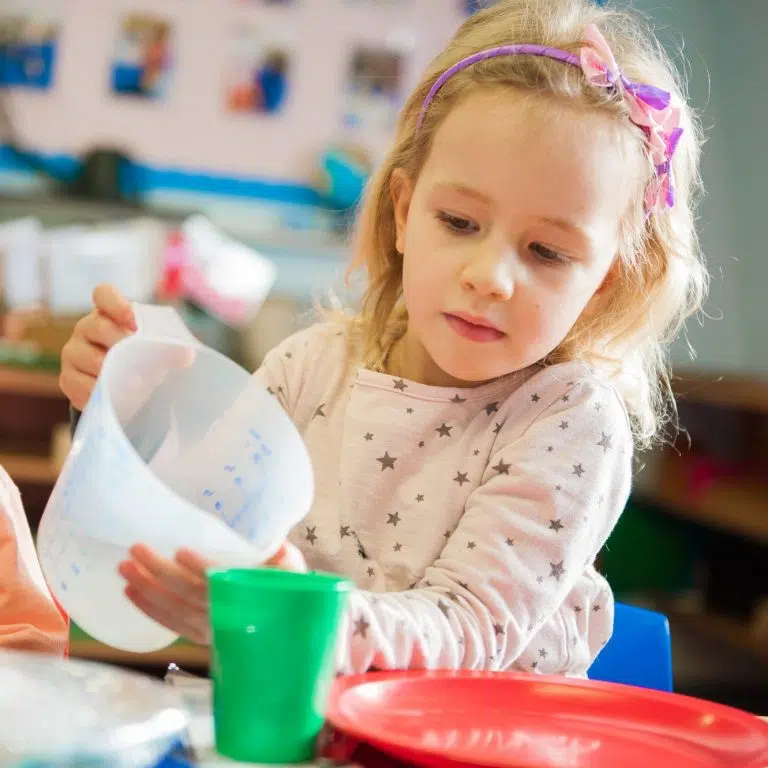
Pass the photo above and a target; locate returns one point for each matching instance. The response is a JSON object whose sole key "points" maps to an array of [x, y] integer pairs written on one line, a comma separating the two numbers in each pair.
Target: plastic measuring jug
{"points": [[177, 447]]}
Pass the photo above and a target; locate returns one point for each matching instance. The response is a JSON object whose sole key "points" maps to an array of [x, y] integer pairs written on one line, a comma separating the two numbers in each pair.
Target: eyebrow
{"points": [[565, 225], [462, 189]]}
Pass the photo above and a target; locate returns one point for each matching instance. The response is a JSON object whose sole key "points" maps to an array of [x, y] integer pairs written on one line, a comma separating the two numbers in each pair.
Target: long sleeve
{"points": [[514, 586], [29, 618]]}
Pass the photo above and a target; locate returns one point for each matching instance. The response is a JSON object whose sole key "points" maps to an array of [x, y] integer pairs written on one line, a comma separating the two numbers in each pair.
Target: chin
{"points": [[472, 370]]}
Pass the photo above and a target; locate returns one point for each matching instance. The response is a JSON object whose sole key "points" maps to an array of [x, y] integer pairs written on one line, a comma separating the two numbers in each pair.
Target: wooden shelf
{"points": [[728, 390], [731, 632], [738, 507], [183, 655], [37, 470], [29, 382]]}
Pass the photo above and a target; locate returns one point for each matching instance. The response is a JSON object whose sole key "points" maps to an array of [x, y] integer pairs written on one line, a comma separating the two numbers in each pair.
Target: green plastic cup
{"points": [[273, 660]]}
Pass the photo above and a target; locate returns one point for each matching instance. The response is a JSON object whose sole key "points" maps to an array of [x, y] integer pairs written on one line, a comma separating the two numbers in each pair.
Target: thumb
{"points": [[288, 558]]}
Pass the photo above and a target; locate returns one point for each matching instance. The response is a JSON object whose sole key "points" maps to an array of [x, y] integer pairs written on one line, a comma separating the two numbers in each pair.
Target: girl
{"points": [[528, 258], [29, 618]]}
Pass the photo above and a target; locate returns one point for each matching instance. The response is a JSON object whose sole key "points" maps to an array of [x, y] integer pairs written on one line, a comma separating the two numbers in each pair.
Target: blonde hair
{"points": [[658, 278]]}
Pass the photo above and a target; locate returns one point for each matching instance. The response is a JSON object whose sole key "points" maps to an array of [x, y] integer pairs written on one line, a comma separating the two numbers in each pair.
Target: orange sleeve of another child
{"points": [[29, 618]]}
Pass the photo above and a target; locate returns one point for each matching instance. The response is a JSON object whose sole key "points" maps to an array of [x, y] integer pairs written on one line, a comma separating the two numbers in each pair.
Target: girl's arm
{"points": [[29, 618], [513, 586]]}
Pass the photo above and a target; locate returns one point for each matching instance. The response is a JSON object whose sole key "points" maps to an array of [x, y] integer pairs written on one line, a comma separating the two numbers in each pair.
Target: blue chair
{"points": [[639, 652]]}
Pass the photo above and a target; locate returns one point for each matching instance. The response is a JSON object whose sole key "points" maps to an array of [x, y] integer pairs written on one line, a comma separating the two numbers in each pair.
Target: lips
{"points": [[473, 327]]}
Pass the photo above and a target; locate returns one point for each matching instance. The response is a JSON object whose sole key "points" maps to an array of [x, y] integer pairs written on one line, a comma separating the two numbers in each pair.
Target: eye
{"points": [[457, 224], [548, 256]]}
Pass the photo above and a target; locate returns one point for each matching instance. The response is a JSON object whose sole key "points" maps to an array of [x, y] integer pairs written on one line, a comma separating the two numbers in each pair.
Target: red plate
{"points": [[508, 720]]}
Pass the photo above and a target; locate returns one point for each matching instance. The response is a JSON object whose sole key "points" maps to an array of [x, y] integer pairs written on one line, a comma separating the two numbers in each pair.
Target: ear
{"points": [[401, 189]]}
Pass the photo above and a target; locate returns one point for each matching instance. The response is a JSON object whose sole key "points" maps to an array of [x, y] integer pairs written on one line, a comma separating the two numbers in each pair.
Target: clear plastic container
{"points": [[73, 713], [178, 447]]}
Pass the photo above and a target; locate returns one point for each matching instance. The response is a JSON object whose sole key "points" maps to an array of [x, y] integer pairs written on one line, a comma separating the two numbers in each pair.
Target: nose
{"points": [[490, 275]]}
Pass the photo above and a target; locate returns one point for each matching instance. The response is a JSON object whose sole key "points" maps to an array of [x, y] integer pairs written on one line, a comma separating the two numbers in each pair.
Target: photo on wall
{"points": [[142, 62], [373, 89], [29, 35], [257, 71], [471, 6]]}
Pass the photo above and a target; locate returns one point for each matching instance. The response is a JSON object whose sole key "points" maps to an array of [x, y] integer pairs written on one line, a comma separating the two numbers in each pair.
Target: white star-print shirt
{"points": [[469, 519]]}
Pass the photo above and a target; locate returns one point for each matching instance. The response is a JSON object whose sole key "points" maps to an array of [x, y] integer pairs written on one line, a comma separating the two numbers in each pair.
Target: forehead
{"points": [[539, 154]]}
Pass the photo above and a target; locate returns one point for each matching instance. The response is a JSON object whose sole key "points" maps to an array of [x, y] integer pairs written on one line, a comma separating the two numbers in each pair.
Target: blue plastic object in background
{"points": [[639, 652]]}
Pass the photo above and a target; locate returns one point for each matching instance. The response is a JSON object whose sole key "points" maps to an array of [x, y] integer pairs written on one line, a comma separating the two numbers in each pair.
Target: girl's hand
{"points": [[175, 592], [172, 592], [110, 320]]}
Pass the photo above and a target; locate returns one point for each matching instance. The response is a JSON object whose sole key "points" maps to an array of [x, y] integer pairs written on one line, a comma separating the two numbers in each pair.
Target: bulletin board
{"points": [[245, 88]]}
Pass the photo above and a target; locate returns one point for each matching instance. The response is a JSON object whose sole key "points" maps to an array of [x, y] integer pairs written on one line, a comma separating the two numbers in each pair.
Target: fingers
{"points": [[168, 592], [288, 558], [101, 330], [188, 585], [111, 304], [76, 386], [169, 613], [193, 562]]}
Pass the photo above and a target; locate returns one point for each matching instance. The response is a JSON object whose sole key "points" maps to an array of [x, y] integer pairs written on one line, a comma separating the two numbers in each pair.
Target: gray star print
{"points": [[344, 531], [534, 664], [461, 478], [578, 609], [319, 411], [502, 468], [510, 542], [578, 470], [420, 498], [535, 397], [387, 461], [498, 427], [369, 436], [397, 547], [558, 570], [444, 430], [444, 607], [598, 407], [463, 585], [563, 425], [471, 545], [605, 442], [311, 537], [447, 535], [270, 390], [421, 443], [409, 410], [393, 519], [457, 398], [498, 629], [492, 407], [361, 628], [476, 452], [556, 525], [543, 653], [400, 384], [565, 398], [289, 355], [371, 572], [596, 607]]}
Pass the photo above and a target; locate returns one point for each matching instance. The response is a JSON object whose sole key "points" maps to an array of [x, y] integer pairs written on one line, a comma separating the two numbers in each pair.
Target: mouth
{"points": [[473, 327]]}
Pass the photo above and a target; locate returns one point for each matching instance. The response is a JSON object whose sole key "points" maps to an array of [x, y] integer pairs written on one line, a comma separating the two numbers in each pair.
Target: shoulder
{"points": [[318, 341], [572, 398], [315, 358]]}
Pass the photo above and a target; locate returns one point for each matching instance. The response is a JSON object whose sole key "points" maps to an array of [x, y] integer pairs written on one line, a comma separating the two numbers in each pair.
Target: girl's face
{"points": [[508, 233]]}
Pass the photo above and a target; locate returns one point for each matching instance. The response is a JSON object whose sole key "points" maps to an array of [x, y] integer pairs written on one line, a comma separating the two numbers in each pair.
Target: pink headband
{"points": [[650, 108]]}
